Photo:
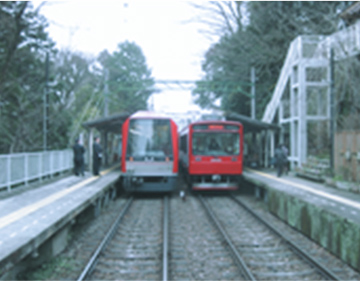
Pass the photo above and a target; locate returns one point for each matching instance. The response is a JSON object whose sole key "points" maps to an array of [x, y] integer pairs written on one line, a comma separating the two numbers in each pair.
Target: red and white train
{"points": [[149, 160], [211, 155]]}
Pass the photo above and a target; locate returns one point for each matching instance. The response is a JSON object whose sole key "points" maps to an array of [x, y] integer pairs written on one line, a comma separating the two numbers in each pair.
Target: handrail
{"points": [[280, 85], [21, 168]]}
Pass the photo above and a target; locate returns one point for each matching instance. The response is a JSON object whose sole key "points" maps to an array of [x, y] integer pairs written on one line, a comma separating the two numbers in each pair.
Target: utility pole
{"points": [[332, 112], [106, 93], [253, 104], [106, 114], [46, 103]]}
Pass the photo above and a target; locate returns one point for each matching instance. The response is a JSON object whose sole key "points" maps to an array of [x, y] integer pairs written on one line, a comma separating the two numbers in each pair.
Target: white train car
{"points": [[149, 160]]}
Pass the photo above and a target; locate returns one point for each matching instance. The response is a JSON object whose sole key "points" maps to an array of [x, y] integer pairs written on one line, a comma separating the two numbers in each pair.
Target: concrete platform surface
{"points": [[340, 202], [30, 218]]}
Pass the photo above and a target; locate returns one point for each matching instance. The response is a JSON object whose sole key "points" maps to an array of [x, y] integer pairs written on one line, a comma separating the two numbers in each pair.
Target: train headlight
{"points": [[216, 178], [137, 180]]}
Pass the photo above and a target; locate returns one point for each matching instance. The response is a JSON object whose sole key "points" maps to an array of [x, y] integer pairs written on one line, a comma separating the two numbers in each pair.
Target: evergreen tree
{"points": [[129, 79], [23, 45]]}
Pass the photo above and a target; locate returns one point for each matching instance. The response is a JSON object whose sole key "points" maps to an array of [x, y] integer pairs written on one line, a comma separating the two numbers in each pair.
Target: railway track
{"points": [[260, 250], [135, 247], [145, 243], [197, 239], [197, 248]]}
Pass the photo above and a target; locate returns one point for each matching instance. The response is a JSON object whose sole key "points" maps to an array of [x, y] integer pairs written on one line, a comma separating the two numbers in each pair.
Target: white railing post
{"points": [[70, 160], [357, 35], [61, 161], [26, 168], [40, 166], [66, 162], [31, 166], [51, 164], [8, 174]]}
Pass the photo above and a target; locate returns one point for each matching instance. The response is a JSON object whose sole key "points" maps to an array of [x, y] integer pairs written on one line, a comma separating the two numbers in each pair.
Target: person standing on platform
{"points": [[286, 161], [280, 160], [79, 151], [97, 156]]}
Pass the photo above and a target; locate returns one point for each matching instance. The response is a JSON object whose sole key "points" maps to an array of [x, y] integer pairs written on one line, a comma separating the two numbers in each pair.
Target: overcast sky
{"points": [[171, 43]]}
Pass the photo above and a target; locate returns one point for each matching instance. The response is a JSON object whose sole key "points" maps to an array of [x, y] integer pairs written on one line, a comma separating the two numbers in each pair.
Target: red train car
{"points": [[149, 160], [211, 155]]}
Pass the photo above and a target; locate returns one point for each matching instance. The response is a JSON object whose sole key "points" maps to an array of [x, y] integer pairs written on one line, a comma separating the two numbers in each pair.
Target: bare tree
{"points": [[220, 17]]}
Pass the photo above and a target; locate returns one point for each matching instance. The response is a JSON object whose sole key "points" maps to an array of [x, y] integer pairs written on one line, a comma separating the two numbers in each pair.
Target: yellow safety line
{"points": [[309, 189], [14, 216]]}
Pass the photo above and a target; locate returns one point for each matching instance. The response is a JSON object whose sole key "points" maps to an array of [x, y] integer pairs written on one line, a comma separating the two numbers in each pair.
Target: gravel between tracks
{"points": [[197, 250], [134, 253]]}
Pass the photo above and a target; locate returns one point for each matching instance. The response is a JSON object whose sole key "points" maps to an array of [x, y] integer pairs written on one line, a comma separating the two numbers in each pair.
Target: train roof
{"points": [[114, 123], [249, 124], [149, 114], [202, 122], [185, 130]]}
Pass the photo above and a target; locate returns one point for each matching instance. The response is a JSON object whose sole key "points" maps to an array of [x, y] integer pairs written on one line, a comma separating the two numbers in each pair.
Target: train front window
{"points": [[149, 138], [215, 144]]}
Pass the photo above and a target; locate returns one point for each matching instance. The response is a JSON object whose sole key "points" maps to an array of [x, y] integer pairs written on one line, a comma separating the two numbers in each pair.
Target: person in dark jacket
{"points": [[286, 161], [97, 156], [280, 159], [79, 151]]}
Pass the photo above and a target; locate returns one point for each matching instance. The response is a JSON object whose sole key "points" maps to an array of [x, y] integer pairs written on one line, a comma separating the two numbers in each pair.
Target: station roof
{"points": [[351, 13], [250, 124], [114, 123], [111, 124]]}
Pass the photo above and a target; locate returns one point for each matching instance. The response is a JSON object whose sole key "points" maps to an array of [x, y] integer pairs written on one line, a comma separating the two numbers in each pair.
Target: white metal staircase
{"points": [[345, 43], [281, 83]]}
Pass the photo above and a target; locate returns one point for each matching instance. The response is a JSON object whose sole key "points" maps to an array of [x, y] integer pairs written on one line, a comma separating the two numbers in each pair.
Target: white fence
{"points": [[20, 168]]}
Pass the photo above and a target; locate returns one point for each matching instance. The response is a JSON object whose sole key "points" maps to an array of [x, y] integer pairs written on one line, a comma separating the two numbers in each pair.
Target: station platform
{"points": [[327, 215], [34, 216]]}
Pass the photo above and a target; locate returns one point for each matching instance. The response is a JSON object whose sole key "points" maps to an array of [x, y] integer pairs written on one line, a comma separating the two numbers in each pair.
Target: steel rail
{"points": [[323, 270], [243, 267], [103, 243], [165, 239]]}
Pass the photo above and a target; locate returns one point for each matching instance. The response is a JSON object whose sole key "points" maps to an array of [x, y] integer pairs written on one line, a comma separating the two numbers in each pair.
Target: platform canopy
{"points": [[114, 123], [111, 124], [250, 124]]}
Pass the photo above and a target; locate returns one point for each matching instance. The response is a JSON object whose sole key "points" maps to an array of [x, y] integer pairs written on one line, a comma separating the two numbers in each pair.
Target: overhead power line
{"points": [[242, 87]]}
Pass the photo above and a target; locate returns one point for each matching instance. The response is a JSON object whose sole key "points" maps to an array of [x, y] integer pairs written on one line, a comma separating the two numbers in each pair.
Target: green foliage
{"points": [[75, 92], [75, 83], [23, 43], [129, 80], [47, 270], [347, 88], [262, 42]]}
